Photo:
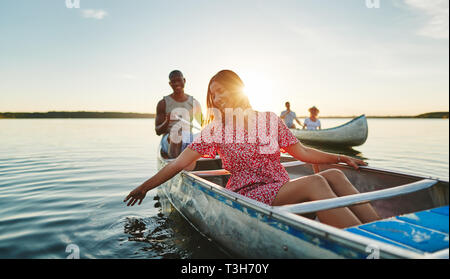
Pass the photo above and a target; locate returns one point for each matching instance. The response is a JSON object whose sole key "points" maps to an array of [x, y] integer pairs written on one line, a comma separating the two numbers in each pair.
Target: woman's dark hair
{"points": [[234, 86]]}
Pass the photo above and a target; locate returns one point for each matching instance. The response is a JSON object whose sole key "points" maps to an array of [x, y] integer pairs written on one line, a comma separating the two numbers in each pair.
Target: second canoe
{"points": [[352, 133]]}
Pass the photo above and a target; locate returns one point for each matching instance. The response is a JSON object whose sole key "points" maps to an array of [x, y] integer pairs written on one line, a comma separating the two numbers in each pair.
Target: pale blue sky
{"points": [[116, 55]]}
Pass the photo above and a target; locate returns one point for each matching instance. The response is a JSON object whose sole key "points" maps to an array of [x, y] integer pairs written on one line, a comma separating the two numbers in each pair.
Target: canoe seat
{"points": [[423, 232]]}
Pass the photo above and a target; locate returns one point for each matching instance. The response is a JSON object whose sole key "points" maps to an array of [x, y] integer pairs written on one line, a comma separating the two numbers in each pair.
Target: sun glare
{"points": [[259, 91]]}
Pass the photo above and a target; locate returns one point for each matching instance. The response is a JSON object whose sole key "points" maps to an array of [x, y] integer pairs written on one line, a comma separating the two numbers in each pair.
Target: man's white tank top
{"points": [[171, 104]]}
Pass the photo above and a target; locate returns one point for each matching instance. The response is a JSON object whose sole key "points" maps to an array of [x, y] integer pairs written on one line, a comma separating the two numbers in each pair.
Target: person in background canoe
{"points": [[177, 100], [289, 116], [256, 173], [312, 122]]}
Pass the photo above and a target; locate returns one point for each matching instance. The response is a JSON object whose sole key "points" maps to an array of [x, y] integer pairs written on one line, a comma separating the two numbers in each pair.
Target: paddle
{"points": [[187, 122]]}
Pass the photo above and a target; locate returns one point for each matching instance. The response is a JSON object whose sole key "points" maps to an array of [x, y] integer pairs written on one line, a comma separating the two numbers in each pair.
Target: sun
{"points": [[259, 91]]}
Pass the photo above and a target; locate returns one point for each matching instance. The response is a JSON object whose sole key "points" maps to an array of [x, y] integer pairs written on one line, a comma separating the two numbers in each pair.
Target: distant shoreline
{"points": [[74, 114], [95, 114]]}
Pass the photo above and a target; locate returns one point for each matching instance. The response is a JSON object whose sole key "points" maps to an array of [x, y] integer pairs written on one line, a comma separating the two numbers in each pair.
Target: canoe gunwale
{"points": [[320, 230], [302, 223], [342, 125], [219, 172], [314, 206], [442, 254]]}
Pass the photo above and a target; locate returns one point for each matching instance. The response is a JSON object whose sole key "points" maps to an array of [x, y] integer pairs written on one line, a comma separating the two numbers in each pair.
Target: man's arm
{"points": [[304, 124], [162, 119], [300, 123]]}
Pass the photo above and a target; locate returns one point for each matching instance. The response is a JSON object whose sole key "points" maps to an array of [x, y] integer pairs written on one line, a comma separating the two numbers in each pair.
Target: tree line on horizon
{"points": [[95, 114], [75, 114]]}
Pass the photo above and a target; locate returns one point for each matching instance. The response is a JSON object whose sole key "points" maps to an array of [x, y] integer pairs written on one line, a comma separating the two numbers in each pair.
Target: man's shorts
{"points": [[165, 142]]}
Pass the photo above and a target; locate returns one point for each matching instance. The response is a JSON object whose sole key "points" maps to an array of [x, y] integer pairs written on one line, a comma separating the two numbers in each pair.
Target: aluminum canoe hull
{"points": [[250, 229], [352, 133]]}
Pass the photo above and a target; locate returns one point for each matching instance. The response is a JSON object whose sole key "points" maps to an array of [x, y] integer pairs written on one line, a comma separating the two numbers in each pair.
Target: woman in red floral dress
{"points": [[249, 143]]}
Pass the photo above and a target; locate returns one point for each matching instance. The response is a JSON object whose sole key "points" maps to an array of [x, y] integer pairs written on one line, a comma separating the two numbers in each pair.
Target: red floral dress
{"points": [[254, 162]]}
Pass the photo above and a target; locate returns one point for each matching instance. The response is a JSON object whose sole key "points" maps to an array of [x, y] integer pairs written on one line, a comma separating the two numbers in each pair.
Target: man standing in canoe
{"points": [[289, 116], [171, 107]]}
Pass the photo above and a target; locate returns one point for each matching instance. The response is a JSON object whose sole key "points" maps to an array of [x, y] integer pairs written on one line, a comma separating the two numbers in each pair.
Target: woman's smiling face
{"points": [[220, 95]]}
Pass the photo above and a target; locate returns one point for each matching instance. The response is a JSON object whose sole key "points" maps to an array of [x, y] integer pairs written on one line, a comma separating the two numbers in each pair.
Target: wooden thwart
{"points": [[225, 172]]}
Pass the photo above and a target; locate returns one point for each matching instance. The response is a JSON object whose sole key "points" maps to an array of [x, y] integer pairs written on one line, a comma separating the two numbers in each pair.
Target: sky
{"points": [[346, 57]]}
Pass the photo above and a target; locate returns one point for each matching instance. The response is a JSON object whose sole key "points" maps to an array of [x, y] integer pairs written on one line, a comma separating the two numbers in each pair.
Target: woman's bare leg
{"points": [[343, 187], [315, 187]]}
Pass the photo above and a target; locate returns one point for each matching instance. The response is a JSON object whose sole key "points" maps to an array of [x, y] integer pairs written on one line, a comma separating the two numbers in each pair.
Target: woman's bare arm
{"points": [[186, 158], [314, 156]]}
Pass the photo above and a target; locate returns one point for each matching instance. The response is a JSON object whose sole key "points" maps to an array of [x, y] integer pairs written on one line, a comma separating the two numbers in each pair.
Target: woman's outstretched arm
{"points": [[186, 158], [314, 156]]}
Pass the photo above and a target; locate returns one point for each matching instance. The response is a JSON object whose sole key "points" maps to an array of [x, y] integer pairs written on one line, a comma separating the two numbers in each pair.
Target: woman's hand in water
{"points": [[186, 158], [136, 195]]}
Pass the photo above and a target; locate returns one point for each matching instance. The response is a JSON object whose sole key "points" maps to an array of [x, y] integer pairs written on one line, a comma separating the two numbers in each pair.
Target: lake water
{"points": [[62, 181]]}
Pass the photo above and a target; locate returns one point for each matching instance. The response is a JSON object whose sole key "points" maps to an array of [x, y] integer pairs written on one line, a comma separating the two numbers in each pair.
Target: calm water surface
{"points": [[62, 181]]}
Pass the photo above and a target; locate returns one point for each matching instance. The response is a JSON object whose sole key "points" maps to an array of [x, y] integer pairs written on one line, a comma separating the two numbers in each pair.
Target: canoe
{"points": [[352, 133], [414, 213]]}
